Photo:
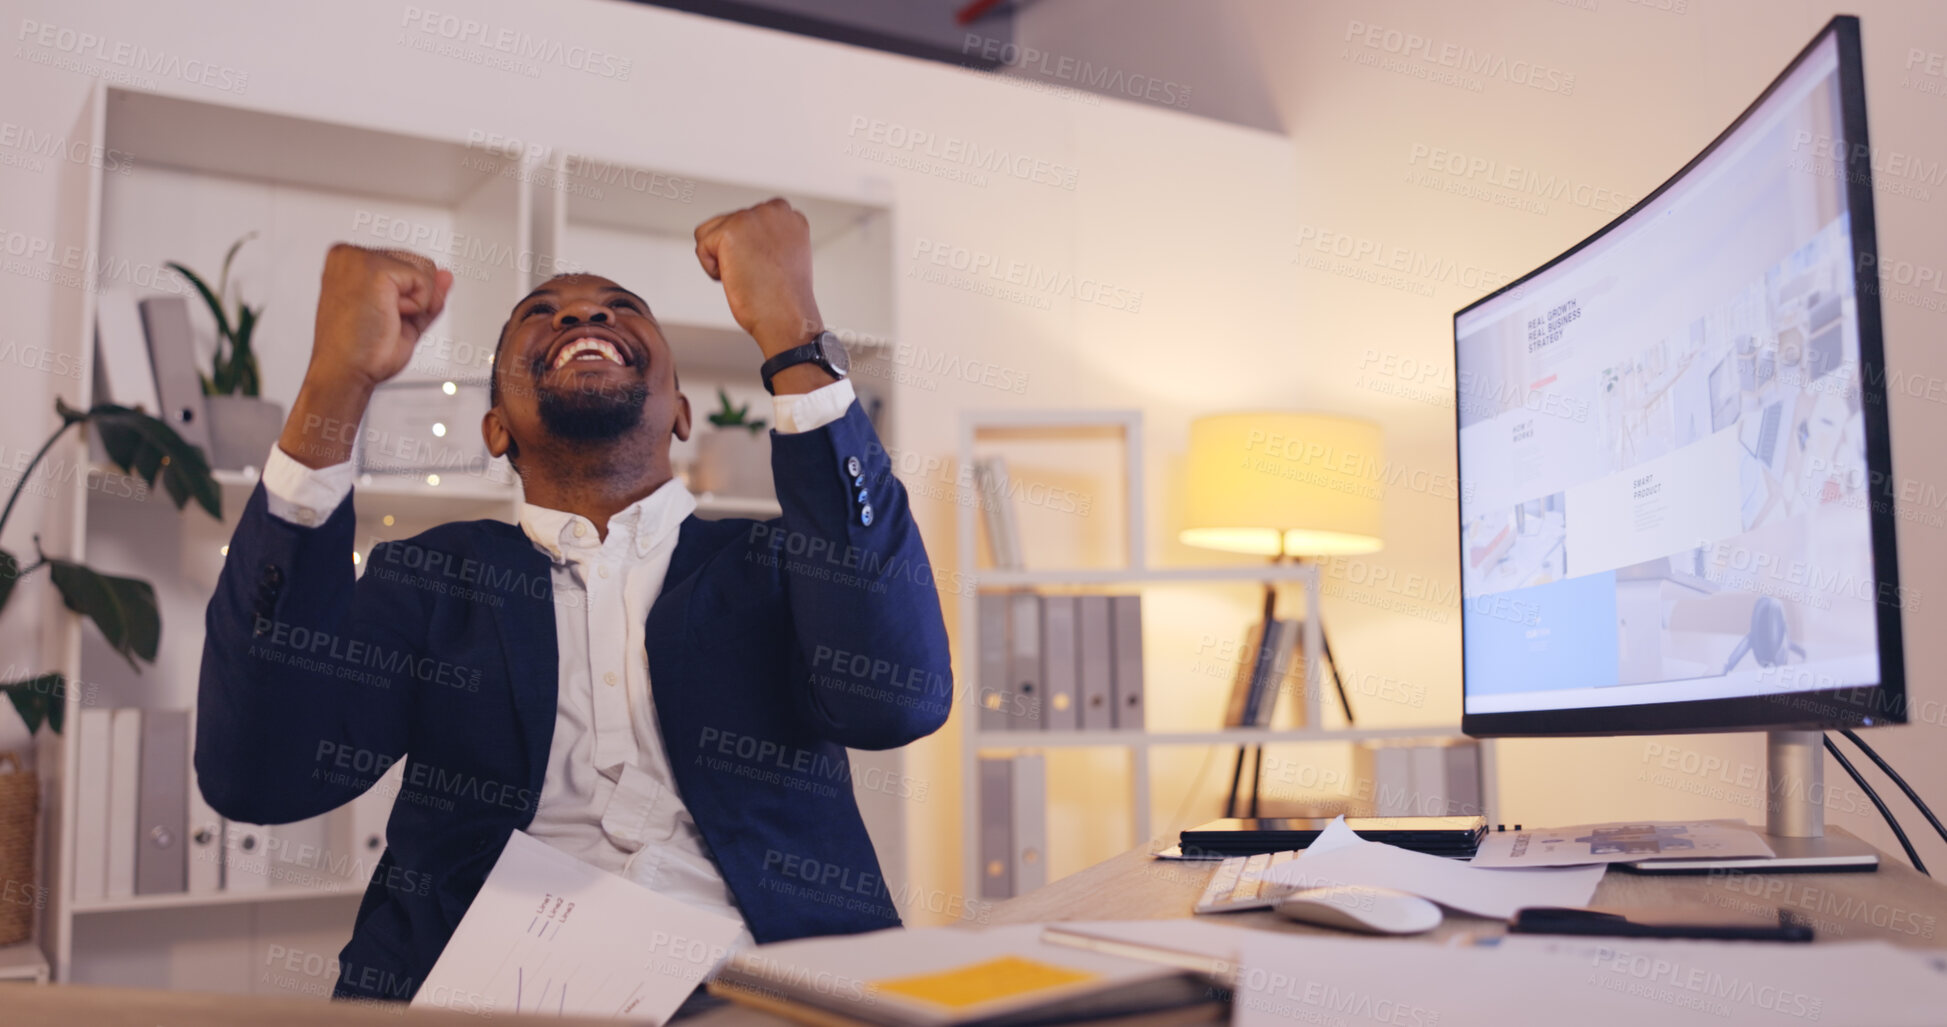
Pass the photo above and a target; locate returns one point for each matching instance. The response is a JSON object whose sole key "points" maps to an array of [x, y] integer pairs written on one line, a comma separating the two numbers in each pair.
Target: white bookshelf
{"points": [[1135, 573], [209, 172]]}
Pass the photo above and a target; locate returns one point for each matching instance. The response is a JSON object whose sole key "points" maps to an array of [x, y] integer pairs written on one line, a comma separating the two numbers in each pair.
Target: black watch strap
{"points": [[812, 352]]}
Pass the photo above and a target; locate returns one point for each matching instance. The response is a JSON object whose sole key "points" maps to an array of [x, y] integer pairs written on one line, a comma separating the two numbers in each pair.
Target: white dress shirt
{"points": [[609, 797]]}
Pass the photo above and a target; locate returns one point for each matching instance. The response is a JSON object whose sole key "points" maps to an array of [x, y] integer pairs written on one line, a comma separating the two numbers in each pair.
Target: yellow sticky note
{"points": [[971, 985]]}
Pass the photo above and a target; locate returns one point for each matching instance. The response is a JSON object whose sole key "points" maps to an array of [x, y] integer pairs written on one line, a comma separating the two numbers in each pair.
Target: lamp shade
{"points": [[1275, 483]]}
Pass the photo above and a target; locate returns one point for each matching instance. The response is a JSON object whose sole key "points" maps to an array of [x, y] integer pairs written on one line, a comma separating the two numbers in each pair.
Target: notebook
{"points": [[951, 977]]}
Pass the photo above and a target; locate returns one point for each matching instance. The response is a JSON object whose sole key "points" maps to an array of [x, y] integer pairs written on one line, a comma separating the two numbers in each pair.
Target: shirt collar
{"points": [[634, 532]]}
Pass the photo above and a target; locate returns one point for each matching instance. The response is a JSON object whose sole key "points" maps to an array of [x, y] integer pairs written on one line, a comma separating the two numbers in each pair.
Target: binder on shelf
{"points": [[1095, 663], [993, 679], [124, 777], [161, 863], [1030, 835], [300, 854], [1127, 630], [205, 834], [996, 801], [172, 349], [246, 857], [1463, 759], [123, 374], [1027, 699], [1058, 663], [94, 746]]}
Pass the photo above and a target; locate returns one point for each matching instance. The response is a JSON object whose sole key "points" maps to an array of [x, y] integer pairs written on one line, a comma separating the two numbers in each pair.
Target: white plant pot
{"points": [[242, 429], [734, 462]]}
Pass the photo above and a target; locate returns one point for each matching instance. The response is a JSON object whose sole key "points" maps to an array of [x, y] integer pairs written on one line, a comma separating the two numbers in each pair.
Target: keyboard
{"points": [[1239, 884]]}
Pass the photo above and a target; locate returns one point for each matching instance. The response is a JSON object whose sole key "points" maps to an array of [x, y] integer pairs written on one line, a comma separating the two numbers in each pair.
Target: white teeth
{"points": [[587, 348]]}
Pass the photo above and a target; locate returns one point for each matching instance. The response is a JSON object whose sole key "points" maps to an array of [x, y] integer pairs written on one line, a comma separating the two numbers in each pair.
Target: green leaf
{"points": [[39, 699], [223, 280], [123, 608], [9, 573], [145, 446], [216, 305], [243, 360]]}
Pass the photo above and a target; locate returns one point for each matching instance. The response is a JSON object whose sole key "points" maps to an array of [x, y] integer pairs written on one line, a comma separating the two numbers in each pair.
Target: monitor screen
{"points": [[1671, 440]]}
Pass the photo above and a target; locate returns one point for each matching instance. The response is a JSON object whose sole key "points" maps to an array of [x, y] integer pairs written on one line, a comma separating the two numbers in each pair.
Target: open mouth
{"points": [[589, 345]]}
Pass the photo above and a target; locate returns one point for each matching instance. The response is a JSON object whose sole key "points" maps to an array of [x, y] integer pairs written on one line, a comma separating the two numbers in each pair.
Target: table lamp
{"points": [[1281, 484]]}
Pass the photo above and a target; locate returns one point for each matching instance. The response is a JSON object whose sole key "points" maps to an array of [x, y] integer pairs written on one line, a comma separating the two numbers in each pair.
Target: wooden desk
{"points": [[1896, 904]]}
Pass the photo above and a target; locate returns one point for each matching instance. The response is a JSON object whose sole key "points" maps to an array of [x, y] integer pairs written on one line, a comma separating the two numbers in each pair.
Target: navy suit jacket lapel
{"points": [[525, 617]]}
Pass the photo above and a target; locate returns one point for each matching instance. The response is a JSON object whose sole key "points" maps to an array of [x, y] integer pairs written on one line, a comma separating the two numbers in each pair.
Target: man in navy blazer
{"points": [[769, 647]]}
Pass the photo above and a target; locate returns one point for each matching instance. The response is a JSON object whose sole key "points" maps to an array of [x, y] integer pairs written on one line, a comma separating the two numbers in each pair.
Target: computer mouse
{"points": [[1362, 908]]}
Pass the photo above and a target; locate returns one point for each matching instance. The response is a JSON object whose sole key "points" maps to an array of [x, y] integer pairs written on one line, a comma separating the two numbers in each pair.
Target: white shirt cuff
{"points": [[304, 495], [805, 411]]}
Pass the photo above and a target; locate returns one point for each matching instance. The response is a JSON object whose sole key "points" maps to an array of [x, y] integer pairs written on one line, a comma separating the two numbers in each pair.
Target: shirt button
{"points": [[602, 570], [865, 515], [306, 515], [580, 530], [852, 467], [609, 677], [863, 496]]}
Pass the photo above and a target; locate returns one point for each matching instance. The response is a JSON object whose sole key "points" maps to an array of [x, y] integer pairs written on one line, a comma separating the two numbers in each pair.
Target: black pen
{"points": [[1553, 920]]}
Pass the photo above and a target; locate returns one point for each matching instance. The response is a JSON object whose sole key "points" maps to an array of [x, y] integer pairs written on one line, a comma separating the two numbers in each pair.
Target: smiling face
{"points": [[582, 365]]}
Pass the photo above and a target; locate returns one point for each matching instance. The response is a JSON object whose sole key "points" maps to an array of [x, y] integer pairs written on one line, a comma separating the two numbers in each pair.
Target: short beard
{"points": [[592, 415]]}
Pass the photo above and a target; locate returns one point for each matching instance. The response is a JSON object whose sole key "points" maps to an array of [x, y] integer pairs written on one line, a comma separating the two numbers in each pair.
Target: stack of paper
{"points": [[1586, 844], [1341, 857], [551, 935]]}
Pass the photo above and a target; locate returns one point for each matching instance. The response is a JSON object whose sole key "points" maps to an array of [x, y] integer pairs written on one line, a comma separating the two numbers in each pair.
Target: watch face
{"points": [[835, 354]]}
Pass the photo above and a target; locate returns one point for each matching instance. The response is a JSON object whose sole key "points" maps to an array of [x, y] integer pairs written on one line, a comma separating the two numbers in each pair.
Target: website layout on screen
{"points": [[1662, 445]]}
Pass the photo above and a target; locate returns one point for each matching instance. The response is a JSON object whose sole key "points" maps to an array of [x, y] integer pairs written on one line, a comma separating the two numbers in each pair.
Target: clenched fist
{"points": [[372, 308], [762, 255]]}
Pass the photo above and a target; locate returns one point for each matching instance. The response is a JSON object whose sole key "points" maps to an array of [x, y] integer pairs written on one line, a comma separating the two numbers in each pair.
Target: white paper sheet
{"points": [[551, 935], [1620, 842], [1340, 856], [1288, 980]]}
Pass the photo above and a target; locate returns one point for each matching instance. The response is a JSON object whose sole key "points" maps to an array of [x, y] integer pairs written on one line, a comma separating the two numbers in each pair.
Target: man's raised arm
{"points": [[873, 666], [306, 672]]}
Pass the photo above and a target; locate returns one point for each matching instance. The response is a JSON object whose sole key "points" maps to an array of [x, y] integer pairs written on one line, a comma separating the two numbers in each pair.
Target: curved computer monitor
{"points": [[1676, 499]]}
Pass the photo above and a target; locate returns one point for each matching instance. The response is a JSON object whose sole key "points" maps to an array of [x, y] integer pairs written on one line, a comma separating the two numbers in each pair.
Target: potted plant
{"points": [[243, 425], [123, 609], [734, 459]]}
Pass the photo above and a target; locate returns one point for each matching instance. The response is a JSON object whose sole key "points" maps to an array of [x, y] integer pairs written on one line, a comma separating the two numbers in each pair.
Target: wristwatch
{"points": [[824, 350]]}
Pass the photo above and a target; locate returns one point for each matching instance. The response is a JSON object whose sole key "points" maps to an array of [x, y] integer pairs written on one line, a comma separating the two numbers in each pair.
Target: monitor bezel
{"points": [[1849, 706]]}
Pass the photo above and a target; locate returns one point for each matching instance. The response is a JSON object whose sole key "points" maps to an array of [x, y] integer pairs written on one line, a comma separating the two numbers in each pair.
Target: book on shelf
{"points": [[997, 513]]}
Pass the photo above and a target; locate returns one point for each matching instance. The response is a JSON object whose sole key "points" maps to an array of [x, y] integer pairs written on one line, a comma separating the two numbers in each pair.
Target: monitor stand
{"points": [[1794, 819]]}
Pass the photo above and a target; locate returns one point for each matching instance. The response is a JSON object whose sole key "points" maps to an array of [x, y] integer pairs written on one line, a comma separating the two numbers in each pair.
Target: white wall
{"points": [[1195, 216]]}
